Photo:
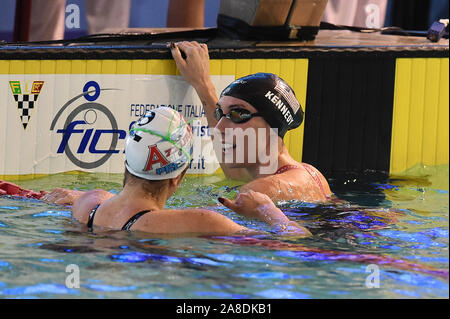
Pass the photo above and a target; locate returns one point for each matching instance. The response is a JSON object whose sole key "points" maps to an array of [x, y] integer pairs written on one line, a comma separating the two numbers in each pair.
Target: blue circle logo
{"points": [[87, 88]]}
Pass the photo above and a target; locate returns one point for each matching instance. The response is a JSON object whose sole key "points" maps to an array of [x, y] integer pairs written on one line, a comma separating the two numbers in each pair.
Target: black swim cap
{"points": [[272, 97]]}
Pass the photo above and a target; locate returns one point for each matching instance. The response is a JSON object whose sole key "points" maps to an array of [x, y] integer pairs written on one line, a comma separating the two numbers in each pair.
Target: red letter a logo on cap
{"points": [[154, 157]]}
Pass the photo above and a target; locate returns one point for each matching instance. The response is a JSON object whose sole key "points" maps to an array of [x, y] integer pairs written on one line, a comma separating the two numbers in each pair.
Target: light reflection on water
{"points": [[401, 224]]}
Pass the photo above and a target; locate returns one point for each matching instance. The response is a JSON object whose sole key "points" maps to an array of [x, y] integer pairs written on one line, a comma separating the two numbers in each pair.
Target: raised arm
{"points": [[259, 206], [195, 70], [194, 67]]}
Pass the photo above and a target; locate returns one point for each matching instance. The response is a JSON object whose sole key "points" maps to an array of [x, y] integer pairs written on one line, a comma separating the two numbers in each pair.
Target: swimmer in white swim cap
{"points": [[158, 152], [159, 146]]}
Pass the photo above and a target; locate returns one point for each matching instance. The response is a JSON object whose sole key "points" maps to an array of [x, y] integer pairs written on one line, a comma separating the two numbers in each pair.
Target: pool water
{"points": [[388, 239]]}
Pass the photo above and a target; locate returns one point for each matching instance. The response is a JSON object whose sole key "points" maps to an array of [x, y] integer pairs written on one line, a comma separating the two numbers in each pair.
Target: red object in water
{"points": [[7, 188], [22, 20]]}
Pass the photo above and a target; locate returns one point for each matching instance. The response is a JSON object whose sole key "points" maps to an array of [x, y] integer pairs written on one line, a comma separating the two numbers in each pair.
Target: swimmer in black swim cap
{"points": [[272, 97], [257, 101]]}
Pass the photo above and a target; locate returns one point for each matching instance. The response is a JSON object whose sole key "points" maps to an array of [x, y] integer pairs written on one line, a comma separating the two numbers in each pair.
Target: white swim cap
{"points": [[159, 145]]}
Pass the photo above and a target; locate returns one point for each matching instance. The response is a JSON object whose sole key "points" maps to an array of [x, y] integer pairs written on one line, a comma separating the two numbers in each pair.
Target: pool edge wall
{"points": [[364, 111]]}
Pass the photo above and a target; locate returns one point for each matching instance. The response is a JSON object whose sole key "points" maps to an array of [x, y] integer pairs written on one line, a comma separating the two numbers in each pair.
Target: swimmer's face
{"points": [[242, 145]]}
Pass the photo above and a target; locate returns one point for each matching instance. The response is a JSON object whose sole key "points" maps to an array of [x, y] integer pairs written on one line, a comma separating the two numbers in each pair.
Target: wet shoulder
{"points": [[306, 184], [269, 185], [319, 178], [195, 220], [86, 203]]}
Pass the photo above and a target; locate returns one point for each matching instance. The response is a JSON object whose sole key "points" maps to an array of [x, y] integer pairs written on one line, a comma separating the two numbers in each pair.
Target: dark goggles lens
{"points": [[236, 115]]}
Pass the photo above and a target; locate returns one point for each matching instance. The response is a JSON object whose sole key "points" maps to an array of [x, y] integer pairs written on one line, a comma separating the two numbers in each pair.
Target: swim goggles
{"points": [[237, 116]]}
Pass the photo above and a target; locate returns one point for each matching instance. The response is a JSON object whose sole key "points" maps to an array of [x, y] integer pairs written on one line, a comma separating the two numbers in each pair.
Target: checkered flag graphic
{"points": [[25, 105]]}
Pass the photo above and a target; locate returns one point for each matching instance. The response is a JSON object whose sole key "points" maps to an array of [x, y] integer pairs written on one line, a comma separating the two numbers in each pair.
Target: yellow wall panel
{"points": [[228, 67], [169, 67], [138, 67], [215, 67], [442, 139], [32, 67], [109, 66], [79, 67], [63, 66], [287, 74], [17, 67], [430, 114], [243, 67], [258, 65], [299, 85], [48, 67], [273, 66], [124, 66], [416, 110], [420, 126], [399, 145], [93, 66], [4, 67], [154, 67]]}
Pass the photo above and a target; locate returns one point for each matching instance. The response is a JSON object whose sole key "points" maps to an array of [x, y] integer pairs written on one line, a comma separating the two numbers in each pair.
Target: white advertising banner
{"points": [[53, 123]]}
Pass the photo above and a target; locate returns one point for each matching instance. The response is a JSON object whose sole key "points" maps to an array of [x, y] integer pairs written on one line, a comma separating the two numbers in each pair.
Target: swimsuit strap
{"points": [[285, 168], [313, 174], [309, 169], [90, 222], [133, 219]]}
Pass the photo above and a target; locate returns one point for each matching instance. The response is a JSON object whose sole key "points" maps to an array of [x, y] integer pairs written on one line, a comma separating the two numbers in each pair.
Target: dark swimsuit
{"points": [[308, 168], [127, 225]]}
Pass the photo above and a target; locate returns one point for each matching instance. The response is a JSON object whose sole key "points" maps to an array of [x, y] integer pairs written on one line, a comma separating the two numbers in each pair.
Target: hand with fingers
{"points": [[192, 60], [194, 67], [62, 196], [259, 206]]}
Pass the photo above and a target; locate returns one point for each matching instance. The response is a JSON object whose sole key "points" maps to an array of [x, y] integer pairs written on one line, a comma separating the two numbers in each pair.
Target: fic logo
{"points": [[90, 111]]}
